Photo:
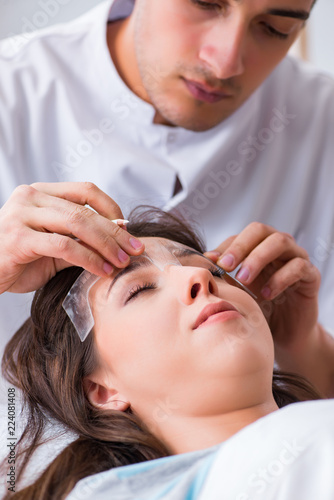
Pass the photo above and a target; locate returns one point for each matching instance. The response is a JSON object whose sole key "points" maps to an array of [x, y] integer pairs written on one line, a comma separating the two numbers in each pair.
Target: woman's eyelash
{"points": [[217, 272], [137, 289]]}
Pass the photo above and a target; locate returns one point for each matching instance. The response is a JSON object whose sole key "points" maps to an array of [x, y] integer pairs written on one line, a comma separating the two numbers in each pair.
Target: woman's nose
{"points": [[192, 282]]}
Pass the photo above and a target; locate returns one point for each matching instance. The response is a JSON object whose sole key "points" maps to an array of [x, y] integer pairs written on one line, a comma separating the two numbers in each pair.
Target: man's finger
{"points": [[243, 244], [82, 193], [108, 239], [278, 247], [217, 252], [296, 271], [72, 252]]}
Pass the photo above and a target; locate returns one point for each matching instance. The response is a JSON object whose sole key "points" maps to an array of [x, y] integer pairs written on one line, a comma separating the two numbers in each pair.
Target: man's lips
{"points": [[204, 92], [211, 310]]}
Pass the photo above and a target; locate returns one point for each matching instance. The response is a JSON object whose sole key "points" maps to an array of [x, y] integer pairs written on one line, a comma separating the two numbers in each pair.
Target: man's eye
{"points": [[206, 5], [272, 32], [137, 289]]}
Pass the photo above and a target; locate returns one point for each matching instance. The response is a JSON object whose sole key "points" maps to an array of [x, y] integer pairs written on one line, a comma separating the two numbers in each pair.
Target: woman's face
{"points": [[158, 351]]}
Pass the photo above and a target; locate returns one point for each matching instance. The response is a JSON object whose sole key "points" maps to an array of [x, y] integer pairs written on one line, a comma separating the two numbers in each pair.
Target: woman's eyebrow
{"points": [[144, 262]]}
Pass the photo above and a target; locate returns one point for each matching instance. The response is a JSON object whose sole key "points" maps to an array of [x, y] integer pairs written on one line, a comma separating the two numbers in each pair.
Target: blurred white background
{"points": [[28, 15]]}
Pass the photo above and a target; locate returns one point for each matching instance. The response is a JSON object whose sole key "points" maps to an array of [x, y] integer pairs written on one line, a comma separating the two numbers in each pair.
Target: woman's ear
{"points": [[107, 398]]}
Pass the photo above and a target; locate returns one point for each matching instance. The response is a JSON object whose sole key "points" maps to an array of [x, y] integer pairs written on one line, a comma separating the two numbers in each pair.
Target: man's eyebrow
{"points": [[303, 15], [129, 269]]}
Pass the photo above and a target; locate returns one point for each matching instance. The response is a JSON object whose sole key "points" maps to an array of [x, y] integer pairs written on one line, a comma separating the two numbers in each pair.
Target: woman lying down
{"points": [[164, 371]]}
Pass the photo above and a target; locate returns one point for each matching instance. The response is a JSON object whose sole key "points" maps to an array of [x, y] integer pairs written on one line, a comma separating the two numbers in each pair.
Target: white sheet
{"points": [[288, 455]]}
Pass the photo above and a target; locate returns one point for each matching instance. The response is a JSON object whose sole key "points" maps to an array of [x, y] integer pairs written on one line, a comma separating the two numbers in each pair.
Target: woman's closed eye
{"points": [[137, 289]]}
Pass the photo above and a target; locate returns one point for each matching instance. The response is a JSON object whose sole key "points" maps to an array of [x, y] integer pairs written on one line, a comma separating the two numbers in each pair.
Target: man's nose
{"points": [[223, 48], [192, 282]]}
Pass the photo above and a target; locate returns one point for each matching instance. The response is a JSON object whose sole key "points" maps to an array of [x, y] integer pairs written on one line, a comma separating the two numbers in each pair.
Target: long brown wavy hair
{"points": [[46, 360]]}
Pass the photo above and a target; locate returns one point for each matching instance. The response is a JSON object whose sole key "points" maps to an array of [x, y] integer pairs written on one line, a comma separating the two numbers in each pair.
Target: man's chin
{"points": [[190, 121], [198, 124], [201, 125]]}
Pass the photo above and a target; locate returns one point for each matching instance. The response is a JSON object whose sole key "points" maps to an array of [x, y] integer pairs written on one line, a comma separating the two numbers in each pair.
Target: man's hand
{"points": [[45, 228]]}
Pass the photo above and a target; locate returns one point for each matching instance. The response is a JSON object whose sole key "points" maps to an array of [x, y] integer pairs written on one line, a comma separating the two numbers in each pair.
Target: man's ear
{"points": [[107, 398]]}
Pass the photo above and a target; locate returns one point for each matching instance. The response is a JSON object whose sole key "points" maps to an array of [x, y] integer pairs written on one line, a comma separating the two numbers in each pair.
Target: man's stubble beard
{"points": [[166, 112]]}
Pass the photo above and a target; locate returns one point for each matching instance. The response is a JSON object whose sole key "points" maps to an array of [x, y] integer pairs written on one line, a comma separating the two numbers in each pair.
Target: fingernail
{"points": [[107, 268], [226, 261], [120, 222], [266, 292], [136, 244], [243, 275], [123, 257]]}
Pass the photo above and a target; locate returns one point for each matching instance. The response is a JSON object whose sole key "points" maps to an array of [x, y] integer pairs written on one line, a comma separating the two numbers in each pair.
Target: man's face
{"points": [[199, 61]]}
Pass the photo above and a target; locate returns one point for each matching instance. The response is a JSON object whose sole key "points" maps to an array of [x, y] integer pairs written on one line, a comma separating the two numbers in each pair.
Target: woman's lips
{"points": [[218, 311], [205, 93]]}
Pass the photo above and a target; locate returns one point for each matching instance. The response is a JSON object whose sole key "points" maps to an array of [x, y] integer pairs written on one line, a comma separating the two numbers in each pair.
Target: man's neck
{"points": [[121, 48], [120, 43]]}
